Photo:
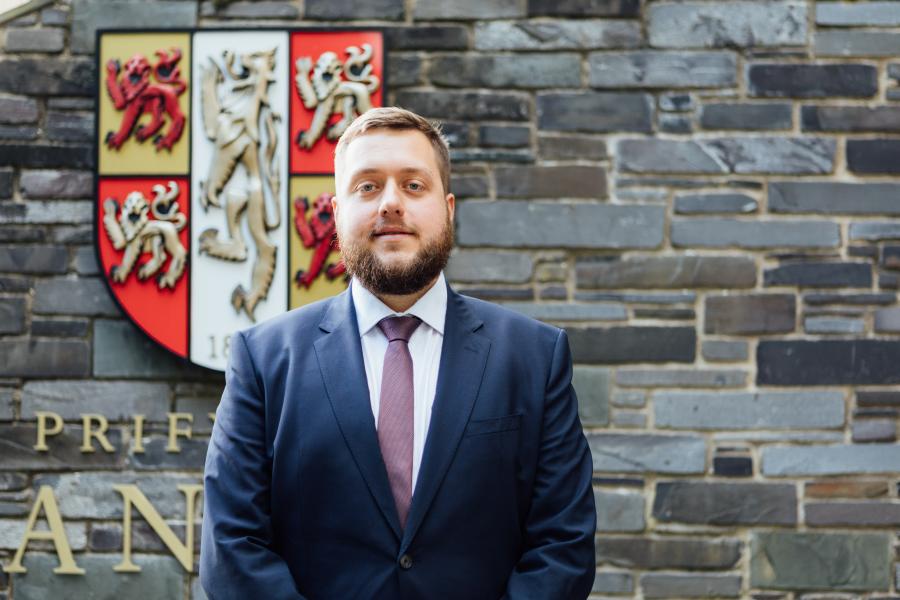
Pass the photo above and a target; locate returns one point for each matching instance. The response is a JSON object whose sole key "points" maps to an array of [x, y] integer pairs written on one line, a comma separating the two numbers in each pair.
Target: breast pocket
{"points": [[493, 425]]}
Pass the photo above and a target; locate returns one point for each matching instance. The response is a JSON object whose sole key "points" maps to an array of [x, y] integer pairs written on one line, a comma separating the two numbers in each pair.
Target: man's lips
{"points": [[390, 231]]}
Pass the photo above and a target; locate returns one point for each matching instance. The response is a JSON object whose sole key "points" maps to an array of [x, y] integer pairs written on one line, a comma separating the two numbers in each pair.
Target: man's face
{"points": [[394, 222]]}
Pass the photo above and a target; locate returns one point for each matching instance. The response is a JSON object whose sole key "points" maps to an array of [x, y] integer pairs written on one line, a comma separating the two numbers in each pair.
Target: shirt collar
{"points": [[431, 308]]}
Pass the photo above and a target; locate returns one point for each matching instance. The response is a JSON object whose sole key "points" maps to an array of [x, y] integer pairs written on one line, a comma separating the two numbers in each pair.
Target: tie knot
{"points": [[398, 328]]}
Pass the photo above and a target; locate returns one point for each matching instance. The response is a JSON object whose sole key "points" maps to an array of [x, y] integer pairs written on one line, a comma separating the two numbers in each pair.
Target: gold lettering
{"points": [[183, 552], [138, 447], [57, 534], [87, 423], [175, 431], [43, 432]]}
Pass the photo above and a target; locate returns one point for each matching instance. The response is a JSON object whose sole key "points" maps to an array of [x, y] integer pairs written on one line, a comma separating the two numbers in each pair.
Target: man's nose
{"points": [[391, 200]]}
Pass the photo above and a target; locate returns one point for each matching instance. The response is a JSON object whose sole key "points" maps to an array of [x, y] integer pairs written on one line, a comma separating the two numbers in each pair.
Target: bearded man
{"points": [[400, 440]]}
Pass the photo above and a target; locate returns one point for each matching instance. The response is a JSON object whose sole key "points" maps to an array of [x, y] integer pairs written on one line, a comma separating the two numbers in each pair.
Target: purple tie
{"points": [[395, 410]]}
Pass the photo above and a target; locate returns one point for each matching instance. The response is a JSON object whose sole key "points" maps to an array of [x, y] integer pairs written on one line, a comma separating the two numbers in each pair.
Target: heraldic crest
{"points": [[215, 174]]}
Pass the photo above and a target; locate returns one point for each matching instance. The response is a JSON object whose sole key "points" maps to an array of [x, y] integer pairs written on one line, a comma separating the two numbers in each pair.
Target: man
{"points": [[398, 441]]}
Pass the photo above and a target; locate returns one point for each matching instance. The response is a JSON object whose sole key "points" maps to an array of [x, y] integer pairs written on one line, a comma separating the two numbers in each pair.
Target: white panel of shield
{"points": [[239, 187]]}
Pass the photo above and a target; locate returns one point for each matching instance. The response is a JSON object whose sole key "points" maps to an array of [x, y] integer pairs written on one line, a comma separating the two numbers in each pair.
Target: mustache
{"points": [[384, 226]]}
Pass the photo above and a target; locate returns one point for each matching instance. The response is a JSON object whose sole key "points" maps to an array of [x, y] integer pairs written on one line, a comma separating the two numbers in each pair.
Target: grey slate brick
{"points": [[33, 259], [504, 136], [50, 41], [877, 156], [18, 110], [852, 514], [619, 511], [559, 225], [586, 34], [831, 459], [723, 233], [469, 10], [583, 8], [876, 14], [841, 325], [666, 272], [613, 582], [746, 116], [592, 387], [887, 320], [53, 184], [834, 197], [675, 123], [662, 69], [12, 317], [851, 118], [564, 311], [594, 112], [688, 204], [469, 185], [694, 377], [44, 358], [489, 266], [647, 453], [533, 70], [856, 43], [874, 230], [874, 430], [828, 362], [828, 562], [41, 155], [267, 9], [50, 327], [116, 400], [571, 147], [84, 296], [90, 15], [624, 344], [427, 37], [820, 274], [726, 24], [728, 155], [46, 212], [507, 106], [812, 81], [751, 314], [690, 585], [121, 350], [69, 126], [670, 552], [404, 70], [724, 351], [745, 410], [552, 182]]}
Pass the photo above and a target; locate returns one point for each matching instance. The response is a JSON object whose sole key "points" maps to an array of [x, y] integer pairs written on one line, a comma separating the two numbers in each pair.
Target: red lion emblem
{"points": [[135, 94], [317, 231]]}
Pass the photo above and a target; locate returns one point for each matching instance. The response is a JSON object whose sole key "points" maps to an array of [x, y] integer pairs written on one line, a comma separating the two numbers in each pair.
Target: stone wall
{"points": [[702, 193]]}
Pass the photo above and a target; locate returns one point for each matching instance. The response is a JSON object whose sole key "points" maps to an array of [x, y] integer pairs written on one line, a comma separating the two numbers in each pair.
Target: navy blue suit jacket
{"points": [[297, 502]]}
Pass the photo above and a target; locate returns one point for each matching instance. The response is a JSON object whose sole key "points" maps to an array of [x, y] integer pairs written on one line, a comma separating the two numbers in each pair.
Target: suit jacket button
{"points": [[405, 561]]}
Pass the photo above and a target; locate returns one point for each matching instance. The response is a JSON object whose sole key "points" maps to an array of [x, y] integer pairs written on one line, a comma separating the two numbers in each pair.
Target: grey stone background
{"points": [[702, 193]]}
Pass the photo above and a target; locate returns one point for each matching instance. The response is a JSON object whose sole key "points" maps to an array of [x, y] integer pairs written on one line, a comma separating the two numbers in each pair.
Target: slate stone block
{"points": [[828, 362], [62, 452], [746, 116], [571, 147], [559, 311], [870, 398], [751, 314], [613, 582], [489, 266], [834, 197], [586, 34], [260, 9], [404, 70], [50, 41], [116, 400], [155, 456], [852, 514], [558, 225], [680, 378], [59, 327], [837, 459], [121, 350], [12, 315], [60, 211], [733, 466], [551, 182], [724, 351], [6, 182], [13, 284], [727, 155], [668, 552], [745, 410], [841, 325], [74, 297], [90, 15], [812, 81], [18, 110], [615, 345], [723, 233], [874, 14], [666, 272], [505, 106], [726, 24], [533, 70], [690, 585], [469, 185], [647, 453], [693, 204], [619, 511], [504, 136], [662, 69], [12, 531], [53, 184], [595, 112], [40, 155], [592, 387], [820, 561], [873, 156], [481, 155], [820, 274], [583, 8], [427, 37], [44, 358], [846, 488], [874, 430], [468, 10], [674, 123], [874, 230], [856, 43], [34, 259], [876, 119], [48, 77]]}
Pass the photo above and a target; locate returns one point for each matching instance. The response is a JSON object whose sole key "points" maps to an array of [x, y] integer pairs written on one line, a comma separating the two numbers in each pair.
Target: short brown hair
{"points": [[394, 117]]}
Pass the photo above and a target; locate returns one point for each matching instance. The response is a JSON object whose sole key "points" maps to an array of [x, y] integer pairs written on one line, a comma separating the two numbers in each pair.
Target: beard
{"points": [[398, 279]]}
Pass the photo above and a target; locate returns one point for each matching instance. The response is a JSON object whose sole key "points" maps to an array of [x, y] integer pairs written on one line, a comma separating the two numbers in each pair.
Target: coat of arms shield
{"points": [[215, 174]]}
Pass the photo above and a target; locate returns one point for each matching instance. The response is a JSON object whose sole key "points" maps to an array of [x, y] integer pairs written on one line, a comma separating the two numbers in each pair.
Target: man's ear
{"points": [[334, 206], [451, 205]]}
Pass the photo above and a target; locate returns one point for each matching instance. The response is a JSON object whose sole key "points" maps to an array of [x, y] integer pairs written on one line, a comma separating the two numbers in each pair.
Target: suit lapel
{"points": [[340, 360], [464, 354]]}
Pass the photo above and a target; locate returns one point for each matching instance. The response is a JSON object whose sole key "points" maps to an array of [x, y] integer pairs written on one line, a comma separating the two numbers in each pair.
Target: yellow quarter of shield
{"points": [[134, 157], [300, 257]]}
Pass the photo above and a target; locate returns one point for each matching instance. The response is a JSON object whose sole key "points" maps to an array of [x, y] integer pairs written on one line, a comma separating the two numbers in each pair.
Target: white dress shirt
{"points": [[424, 347]]}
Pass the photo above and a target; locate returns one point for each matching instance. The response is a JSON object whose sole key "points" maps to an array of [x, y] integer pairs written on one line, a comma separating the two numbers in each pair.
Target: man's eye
{"points": [[366, 187], [415, 186]]}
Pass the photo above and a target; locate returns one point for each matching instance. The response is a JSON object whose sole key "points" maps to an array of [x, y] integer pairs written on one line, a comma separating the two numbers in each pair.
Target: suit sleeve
{"points": [[236, 555], [558, 560]]}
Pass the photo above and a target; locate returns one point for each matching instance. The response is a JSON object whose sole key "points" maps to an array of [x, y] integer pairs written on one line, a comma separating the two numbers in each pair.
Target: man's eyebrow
{"points": [[405, 171]]}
